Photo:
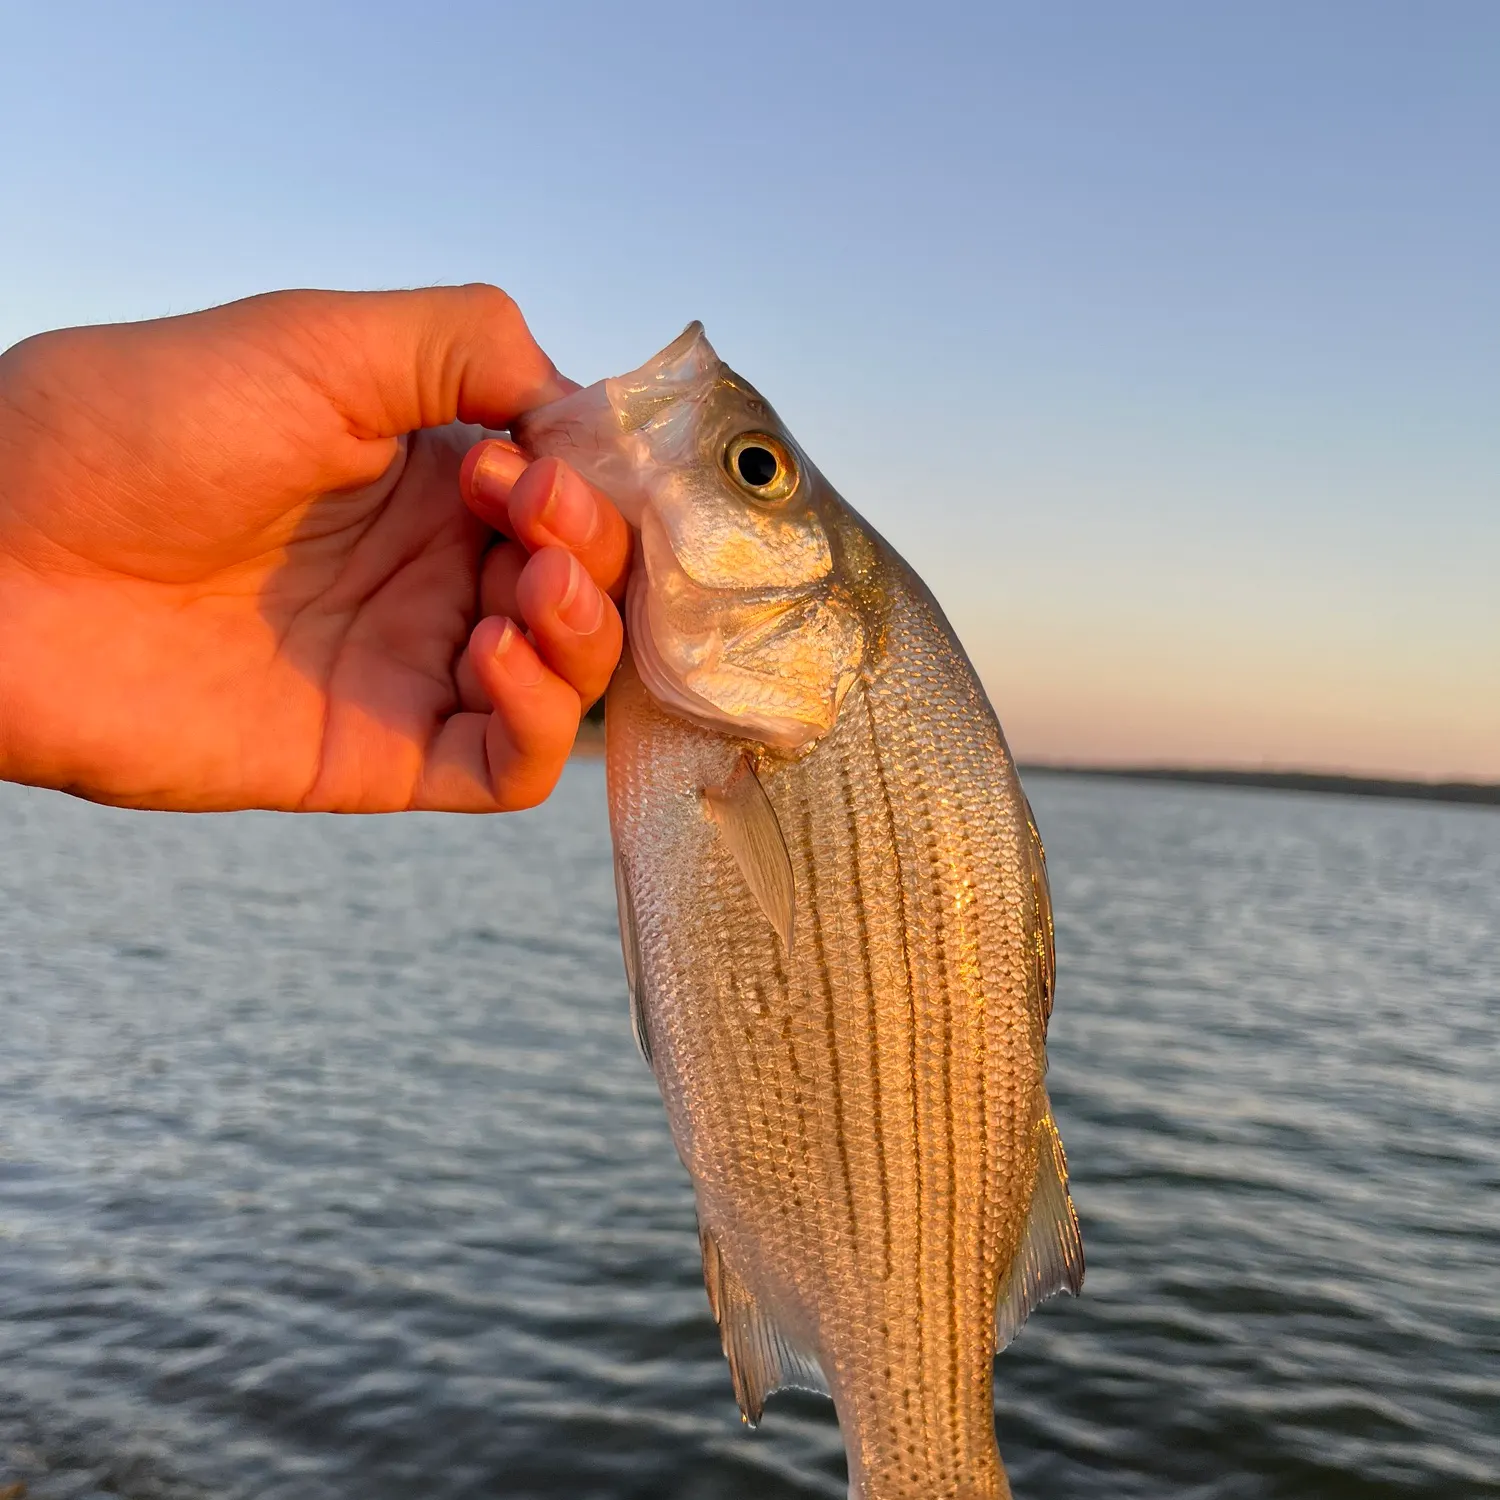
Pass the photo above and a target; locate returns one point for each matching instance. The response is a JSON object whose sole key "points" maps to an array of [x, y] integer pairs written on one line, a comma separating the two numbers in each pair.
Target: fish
{"points": [[836, 925]]}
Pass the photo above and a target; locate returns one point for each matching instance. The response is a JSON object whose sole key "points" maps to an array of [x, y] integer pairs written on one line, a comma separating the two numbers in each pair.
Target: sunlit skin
{"points": [[246, 561]]}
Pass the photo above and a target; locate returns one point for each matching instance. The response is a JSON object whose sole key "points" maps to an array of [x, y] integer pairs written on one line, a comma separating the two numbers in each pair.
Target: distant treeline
{"points": [[1485, 793]]}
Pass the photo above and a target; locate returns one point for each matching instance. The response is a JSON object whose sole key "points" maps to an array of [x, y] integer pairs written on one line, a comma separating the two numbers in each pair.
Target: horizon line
{"points": [[1337, 783]]}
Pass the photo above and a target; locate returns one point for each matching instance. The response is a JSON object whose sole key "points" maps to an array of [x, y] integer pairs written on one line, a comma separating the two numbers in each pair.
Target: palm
{"points": [[321, 668], [371, 603]]}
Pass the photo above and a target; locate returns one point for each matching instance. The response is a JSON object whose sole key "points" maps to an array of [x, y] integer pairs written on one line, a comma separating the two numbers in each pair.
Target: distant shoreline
{"points": [[1474, 793], [590, 743]]}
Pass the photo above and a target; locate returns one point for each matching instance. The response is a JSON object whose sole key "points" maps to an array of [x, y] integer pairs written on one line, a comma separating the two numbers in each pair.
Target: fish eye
{"points": [[757, 466], [762, 466]]}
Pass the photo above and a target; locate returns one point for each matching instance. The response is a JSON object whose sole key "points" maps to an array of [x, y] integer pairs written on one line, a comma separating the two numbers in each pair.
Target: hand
{"points": [[237, 569]]}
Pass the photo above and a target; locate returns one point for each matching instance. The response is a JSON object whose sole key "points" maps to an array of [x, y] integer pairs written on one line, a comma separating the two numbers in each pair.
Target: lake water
{"points": [[328, 1168]]}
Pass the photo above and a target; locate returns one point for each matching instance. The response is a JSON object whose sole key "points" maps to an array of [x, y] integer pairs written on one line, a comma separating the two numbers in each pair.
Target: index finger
{"points": [[548, 504]]}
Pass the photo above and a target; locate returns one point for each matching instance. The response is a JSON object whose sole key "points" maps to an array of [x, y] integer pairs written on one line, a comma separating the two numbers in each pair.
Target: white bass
{"points": [[837, 930]]}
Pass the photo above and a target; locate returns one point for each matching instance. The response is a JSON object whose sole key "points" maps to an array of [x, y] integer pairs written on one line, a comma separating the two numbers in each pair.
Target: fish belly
{"points": [[859, 1116]]}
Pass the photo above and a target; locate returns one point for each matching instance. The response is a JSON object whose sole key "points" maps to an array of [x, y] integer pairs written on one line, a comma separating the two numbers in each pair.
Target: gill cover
{"points": [[735, 618]]}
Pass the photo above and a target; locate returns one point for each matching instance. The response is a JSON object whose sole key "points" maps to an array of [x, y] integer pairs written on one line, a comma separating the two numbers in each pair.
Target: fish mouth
{"points": [[600, 430], [685, 364]]}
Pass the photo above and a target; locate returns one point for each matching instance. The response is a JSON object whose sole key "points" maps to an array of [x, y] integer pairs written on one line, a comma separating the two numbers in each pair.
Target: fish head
{"points": [[738, 616]]}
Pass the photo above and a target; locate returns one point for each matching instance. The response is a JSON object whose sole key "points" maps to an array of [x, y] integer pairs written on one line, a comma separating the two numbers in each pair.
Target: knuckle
{"points": [[518, 797], [531, 784], [488, 303]]}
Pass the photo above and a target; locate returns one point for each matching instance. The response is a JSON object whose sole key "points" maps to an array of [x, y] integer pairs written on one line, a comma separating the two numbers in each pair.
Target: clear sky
{"points": [[1164, 339]]}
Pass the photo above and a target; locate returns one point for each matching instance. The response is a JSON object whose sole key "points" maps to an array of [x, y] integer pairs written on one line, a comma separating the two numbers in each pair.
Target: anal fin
{"points": [[1050, 1257], [630, 947], [762, 1357], [751, 829]]}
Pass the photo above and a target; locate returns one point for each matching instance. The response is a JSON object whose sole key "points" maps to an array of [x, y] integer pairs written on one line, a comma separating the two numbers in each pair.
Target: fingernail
{"points": [[515, 658], [581, 607], [569, 513], [495, 470]]}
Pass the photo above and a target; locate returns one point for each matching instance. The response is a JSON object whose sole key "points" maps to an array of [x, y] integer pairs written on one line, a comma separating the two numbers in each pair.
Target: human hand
{"points": [[237, 569]]}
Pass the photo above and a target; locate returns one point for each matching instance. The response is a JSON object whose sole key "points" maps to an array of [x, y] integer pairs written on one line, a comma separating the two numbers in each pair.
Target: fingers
{"points": [[552, 506], [510, 758], [485, 478], [499, 575], [547, 504], [393, 362], [575, 626], [571, 551]]}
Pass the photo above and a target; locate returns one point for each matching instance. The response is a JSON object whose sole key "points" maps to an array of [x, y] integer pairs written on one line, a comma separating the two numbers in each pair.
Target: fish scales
{"points": [[862, 1112]]}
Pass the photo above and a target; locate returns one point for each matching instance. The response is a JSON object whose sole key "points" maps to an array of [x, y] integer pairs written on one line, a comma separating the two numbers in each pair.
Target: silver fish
{"points": [[837, 930]]}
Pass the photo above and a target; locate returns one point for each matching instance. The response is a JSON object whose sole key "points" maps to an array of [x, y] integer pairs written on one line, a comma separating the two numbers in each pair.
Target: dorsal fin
{"points": [[1042, 938], [630, 947], [762, 1357], [1050, 1257], [753, 834]]}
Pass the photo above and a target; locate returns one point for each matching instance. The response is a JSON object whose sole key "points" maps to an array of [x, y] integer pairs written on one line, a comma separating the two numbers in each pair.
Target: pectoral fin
{"points": [[762, 1358], [753, 835], [630, 947], [1050, 1258]]}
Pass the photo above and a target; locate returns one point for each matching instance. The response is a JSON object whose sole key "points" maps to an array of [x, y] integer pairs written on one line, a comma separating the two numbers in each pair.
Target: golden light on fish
{"points": [[837, 931]]}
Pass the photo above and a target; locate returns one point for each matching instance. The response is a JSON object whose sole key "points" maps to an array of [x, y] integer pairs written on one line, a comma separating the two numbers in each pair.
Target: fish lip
{"points": [[655, 368], [689, 336], [599, 429]]}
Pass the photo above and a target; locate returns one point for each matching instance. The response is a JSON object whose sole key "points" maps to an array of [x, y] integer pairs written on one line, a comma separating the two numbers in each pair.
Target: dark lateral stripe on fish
{"points": [[758, 1094], [830, 1029], [918, 1217], [880, 882], [950, 1128], [799, 1098], [867, 976], [868, 882], [967, 938], [924, 874], [982, 1034], [729, 1004]]}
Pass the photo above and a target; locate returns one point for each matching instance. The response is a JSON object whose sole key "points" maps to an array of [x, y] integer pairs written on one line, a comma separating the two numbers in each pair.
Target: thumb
{"points": [[393, 362]]}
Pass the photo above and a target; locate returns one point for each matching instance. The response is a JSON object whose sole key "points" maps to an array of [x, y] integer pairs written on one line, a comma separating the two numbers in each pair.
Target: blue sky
{"points": [[1164, 339]]}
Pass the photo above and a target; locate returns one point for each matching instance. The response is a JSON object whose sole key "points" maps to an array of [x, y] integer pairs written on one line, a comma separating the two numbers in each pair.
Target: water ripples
{"points": [[327, 1166]]}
